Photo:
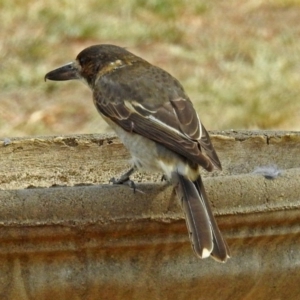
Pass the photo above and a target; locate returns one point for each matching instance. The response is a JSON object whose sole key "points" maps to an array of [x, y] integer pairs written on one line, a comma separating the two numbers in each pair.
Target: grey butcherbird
{"points": [[156, 121]]}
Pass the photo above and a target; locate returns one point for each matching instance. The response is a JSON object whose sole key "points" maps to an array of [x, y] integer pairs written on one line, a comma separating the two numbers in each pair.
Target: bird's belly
{"points": [[144, 152], [148, 155]]}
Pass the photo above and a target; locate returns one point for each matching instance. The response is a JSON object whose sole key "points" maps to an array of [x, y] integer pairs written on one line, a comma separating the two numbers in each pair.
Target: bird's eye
{"points": [[82, 60]]}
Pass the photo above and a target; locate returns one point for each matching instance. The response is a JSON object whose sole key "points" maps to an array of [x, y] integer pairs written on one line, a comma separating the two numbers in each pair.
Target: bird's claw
{"points": [[127, 181], [163, 178]]}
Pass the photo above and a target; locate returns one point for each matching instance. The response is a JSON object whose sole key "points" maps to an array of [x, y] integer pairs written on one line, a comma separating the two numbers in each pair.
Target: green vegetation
{"points": [[238, 61]]}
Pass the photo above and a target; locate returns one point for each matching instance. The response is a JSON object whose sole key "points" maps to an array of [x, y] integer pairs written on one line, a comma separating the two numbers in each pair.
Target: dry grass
{"points": [[238, 60]]}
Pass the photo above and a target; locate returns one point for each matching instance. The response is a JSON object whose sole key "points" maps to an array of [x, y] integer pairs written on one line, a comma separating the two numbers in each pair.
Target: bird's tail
{"points": [[204, 232]]}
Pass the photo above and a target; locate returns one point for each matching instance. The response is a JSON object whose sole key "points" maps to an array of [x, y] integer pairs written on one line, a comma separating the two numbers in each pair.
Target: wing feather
{"points": [[168, 117]]}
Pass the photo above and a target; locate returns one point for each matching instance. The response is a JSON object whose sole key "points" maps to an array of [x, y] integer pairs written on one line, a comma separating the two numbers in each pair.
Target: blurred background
{"points": [[239, 61]]}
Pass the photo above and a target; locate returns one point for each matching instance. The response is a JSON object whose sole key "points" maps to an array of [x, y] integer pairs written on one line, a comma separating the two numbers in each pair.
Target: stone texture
{"points": [[99, 241]]}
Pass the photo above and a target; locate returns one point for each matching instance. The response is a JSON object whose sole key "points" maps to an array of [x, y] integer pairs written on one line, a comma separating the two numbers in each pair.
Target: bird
{"points": [[155, 119]]}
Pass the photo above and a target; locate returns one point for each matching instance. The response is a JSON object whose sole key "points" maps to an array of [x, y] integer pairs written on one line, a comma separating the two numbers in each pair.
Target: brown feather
{"points": [[220, 250], [168, 120], [196, 216]]}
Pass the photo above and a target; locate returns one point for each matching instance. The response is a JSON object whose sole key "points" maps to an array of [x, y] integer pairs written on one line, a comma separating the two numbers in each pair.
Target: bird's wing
{"points": [[170, 120]]}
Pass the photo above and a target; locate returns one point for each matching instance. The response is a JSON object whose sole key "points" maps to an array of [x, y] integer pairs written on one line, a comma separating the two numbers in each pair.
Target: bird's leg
{"points": [[164, 178], [125, 179]]}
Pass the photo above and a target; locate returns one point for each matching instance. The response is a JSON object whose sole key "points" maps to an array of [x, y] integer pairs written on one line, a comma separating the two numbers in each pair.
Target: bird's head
{"points": [[92, 63]]}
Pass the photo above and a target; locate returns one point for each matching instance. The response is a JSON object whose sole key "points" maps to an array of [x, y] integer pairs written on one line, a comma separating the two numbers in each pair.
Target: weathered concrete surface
{"points": [[104, 242], [69, 160]]}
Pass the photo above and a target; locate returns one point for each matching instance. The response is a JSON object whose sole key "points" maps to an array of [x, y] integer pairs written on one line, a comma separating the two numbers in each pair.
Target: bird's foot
{"points": [[164, 178], [125, 181]]}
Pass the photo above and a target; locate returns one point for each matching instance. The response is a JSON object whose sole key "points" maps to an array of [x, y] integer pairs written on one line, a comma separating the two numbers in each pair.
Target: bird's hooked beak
{"points": [[67, 72]]}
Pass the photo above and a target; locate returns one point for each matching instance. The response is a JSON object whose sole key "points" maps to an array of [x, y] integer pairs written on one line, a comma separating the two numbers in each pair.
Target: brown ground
{"points": [[238, 61]]}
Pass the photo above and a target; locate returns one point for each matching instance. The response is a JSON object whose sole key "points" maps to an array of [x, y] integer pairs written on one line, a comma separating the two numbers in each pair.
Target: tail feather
{"points": [[220, 250], [205, 235]]}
